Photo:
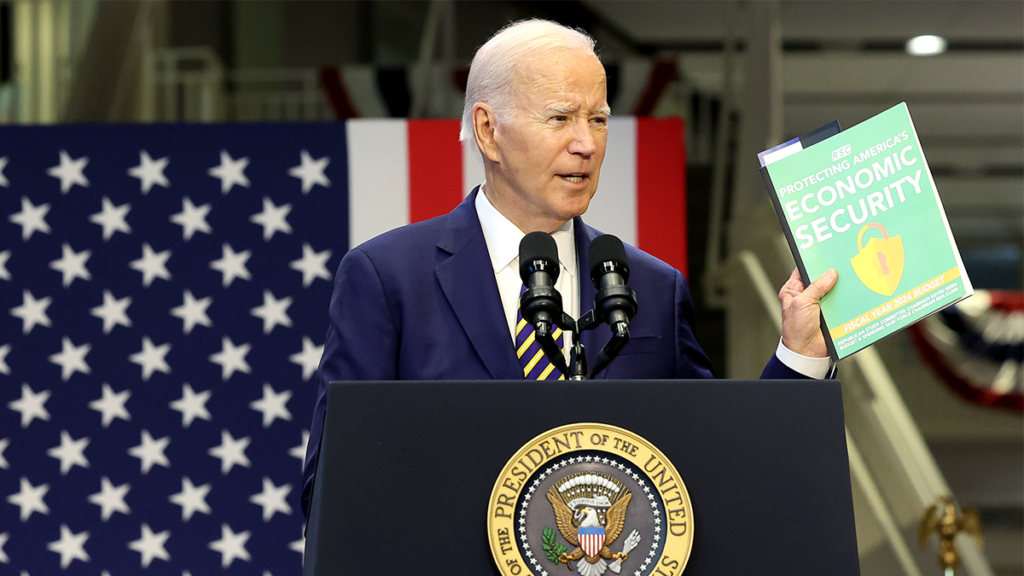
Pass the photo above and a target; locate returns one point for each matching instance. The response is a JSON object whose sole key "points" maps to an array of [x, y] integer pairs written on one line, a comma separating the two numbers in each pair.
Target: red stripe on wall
{"points": [[662, 74], [334, 86], [435, 168], [661, 189]]}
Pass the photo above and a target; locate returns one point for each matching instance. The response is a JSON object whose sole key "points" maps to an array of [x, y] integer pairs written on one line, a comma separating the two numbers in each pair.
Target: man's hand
{"points": [[801, 316]]}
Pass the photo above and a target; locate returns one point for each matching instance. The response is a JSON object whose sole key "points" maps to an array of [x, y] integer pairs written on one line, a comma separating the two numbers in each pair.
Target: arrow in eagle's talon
{"points": [[631, 542]]}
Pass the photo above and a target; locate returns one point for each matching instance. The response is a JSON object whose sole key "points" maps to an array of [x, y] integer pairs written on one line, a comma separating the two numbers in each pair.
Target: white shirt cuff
{"points": [[806, 365]]}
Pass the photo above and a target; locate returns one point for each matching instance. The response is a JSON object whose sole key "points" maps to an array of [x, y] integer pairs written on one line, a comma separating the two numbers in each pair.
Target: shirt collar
{"points": [[503, 237]]}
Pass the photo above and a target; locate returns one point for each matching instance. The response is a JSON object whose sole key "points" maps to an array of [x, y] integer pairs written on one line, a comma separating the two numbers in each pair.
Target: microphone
{"points": [[614, 303], [541, 304]]}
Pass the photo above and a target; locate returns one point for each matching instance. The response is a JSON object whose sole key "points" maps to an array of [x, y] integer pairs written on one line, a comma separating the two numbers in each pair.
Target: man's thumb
{"points": [[817, 290]]}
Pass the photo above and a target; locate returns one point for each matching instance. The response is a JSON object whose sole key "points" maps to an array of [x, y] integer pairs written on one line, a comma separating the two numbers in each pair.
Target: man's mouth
{"points": [[575, 178]]}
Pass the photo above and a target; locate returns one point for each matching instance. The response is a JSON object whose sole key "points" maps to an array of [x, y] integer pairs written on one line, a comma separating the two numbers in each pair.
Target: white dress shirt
{"points": [[503, 238], [807, 365]]}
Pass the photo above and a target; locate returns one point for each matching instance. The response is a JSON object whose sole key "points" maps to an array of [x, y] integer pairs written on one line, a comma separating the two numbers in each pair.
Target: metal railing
{"points": [[192, 85]]}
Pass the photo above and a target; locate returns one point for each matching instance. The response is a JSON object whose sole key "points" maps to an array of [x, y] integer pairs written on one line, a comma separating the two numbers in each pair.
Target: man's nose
{"points": [[583, 142]]}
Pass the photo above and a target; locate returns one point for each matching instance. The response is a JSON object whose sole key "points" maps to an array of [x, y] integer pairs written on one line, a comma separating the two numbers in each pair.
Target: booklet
{"points": [[863, 201]]}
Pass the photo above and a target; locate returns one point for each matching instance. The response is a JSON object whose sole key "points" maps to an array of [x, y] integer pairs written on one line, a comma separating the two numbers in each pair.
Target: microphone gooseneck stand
{"points": [[614, 304]]}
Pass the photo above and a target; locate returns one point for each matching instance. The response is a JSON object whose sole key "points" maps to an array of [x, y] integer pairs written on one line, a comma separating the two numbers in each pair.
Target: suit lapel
{"points": [[468, 284], [593, 340]]}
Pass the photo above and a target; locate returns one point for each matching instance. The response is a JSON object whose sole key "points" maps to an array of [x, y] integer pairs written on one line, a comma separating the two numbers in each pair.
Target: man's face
{"points": [[551, 151]]}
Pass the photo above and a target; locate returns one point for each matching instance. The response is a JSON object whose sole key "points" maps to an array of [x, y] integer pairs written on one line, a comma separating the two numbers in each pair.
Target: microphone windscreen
{"points": [[537, 246], [608, 248]]}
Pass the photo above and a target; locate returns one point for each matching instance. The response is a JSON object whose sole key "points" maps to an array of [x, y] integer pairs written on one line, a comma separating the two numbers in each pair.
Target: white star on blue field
{"points": [[166, 291]]}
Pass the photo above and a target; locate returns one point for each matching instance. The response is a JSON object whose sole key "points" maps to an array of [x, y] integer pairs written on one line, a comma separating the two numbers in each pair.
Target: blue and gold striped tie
{"points": [[536, 365]]}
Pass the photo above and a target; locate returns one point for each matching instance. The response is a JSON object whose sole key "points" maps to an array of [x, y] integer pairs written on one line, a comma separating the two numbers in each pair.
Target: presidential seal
{"points": [[592, 498]]}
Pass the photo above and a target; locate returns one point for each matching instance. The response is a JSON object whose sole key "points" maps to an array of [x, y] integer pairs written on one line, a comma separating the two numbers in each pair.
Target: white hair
{"points": [[492, 73]]}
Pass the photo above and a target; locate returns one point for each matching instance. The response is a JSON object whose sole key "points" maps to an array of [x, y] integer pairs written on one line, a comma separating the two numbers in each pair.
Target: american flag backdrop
{"points": [[163, 292], [163, 305]]}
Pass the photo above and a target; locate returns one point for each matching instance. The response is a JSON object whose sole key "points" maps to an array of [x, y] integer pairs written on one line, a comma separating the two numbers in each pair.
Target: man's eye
{"points": [[599, 120], [560, 118]]}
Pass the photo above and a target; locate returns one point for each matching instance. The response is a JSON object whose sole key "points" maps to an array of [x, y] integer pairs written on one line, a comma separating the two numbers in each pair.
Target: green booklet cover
{"points": [[863, 201]]}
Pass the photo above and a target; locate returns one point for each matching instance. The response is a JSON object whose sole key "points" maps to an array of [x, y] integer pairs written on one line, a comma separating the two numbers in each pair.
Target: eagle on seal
{"points": [[591, 539]]}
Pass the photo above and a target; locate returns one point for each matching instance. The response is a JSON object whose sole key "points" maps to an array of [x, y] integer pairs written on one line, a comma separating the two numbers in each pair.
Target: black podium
{"points": [[406, 470]]}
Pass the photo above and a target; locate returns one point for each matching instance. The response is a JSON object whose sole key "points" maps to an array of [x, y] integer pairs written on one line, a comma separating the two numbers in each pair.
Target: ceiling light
{"points": [[927, 45]]}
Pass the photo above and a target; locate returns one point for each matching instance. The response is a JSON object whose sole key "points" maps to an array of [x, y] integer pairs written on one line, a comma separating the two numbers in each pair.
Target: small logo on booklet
{"points": [[592, 498], [841, 152]]}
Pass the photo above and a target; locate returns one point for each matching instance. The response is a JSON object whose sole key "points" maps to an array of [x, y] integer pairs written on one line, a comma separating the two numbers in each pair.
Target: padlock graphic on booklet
{"points": [[879, 264]]}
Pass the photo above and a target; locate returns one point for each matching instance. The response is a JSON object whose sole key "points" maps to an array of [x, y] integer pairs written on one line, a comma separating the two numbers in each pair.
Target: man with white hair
{"points": [[438, 300]]}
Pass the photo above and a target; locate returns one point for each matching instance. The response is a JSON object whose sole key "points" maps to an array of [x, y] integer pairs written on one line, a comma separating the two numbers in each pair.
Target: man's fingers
{"points": [[791, 288], [822, 285], [795, 282]]}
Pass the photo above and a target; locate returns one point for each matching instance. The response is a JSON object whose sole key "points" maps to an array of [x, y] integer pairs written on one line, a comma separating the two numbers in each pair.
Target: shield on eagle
{"points": [[591, 539]]}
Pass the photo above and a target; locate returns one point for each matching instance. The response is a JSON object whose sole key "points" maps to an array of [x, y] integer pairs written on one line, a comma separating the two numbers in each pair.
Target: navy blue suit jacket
{"points": [[421, 303]]}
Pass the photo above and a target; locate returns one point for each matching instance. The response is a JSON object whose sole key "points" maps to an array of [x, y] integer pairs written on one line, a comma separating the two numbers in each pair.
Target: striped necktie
{"points": [[536, 365]]}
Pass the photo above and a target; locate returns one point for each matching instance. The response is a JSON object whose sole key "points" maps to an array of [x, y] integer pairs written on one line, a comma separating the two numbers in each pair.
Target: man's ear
{"points": [[485, 127]]}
